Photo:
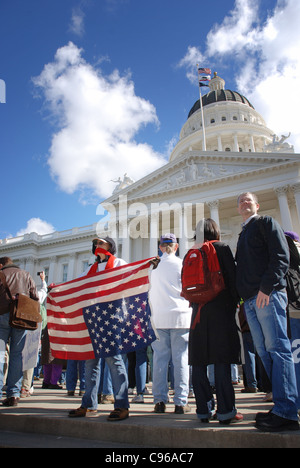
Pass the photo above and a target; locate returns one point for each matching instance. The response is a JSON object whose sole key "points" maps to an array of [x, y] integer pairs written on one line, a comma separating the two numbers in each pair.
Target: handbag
{"points": [[24, 312]]}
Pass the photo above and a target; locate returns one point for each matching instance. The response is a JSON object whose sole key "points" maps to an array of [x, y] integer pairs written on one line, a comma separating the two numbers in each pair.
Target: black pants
{"points": [[224, 390]]}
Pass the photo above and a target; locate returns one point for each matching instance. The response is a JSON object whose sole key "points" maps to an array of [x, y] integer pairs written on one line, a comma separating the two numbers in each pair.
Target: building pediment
{"points": [[194, 170]]}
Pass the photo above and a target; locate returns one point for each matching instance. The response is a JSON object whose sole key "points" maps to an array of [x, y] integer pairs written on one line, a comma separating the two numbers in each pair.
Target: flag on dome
{"points": [[101, 315], [203, 84], [204, 78], [205, 71]]}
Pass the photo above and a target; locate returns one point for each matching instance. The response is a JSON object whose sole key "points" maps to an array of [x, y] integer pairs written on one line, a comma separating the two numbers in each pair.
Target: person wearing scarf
{"points": [[104, 250]]}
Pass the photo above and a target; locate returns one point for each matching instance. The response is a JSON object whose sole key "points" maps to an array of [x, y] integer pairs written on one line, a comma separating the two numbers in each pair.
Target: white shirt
{"points": [[169, 309]]}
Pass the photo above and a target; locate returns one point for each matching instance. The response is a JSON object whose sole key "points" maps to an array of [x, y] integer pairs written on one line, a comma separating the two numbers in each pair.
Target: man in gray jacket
{"points": [[19, 282]]}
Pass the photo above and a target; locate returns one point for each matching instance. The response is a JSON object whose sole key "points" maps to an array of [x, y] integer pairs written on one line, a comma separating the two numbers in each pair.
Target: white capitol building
{"points": [[202, 178]]}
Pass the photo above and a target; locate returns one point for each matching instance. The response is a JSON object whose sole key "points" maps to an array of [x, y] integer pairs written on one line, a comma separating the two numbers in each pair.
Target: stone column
{"points": [[52, 278], [252, 144], [183, 231], [220, 146], [236, 144], [296, 190], [30, 264], [286, 219], [153, 234], [71, 266], [214, 210]]}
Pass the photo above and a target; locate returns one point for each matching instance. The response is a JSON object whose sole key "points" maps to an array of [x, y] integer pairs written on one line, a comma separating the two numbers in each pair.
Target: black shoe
{"points": [[160, 407], [274, 423], [11, 401], [261, 416], [182, 409]]}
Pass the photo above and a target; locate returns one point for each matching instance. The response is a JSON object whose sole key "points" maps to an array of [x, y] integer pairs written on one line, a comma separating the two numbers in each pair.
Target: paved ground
{"points": [[42, 420]]}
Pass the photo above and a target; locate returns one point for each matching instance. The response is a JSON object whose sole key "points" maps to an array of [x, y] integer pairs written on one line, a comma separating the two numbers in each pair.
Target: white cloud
{"points": [[264, 54], [36, 225], [98, 118], [236, 31], [77, 21]]}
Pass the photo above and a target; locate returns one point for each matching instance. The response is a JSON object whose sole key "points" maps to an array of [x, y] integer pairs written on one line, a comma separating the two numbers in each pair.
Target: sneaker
{"points": [[83, 413], [138, 399], [107, 399], [237, 419], [118, 414], [25, 393], [249, 390], [160, 407], [182, 409], [268, 398]]}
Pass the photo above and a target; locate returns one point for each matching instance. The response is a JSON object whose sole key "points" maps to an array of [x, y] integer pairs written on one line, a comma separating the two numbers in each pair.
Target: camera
{"points": [[39, 272]]}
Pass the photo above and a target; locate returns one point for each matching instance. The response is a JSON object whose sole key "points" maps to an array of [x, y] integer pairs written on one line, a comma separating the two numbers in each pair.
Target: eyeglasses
{"points": [[99, 242]]}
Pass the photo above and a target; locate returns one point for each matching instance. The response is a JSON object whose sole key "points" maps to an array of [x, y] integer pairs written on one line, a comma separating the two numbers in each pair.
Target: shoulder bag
{"points": [[24, 312]]}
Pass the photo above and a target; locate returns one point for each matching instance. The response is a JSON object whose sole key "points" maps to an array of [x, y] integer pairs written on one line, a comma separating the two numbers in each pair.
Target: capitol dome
{"points": [[231, 124]]}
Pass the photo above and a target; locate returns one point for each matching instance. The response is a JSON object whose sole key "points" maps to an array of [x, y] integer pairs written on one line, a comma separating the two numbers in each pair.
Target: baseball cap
{"points": [[109, 240], [168, 239], [292, 235]]}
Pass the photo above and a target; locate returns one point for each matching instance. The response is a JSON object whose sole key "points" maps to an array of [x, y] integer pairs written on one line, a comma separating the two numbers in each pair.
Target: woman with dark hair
{"points": [[214, 340]]}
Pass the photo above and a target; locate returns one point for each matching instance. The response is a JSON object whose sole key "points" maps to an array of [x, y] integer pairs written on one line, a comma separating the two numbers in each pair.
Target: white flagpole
{"points": [[202, 113]]}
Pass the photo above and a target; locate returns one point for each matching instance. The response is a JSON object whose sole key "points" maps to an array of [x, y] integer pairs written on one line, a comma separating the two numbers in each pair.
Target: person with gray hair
{"points": [[171, 316]]}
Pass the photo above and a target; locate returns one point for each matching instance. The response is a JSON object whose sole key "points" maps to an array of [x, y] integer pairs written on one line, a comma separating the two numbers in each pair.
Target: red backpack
{"points": [[202, 278]]}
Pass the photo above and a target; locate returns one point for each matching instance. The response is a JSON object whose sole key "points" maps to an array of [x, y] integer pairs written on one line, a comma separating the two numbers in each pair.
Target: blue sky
{"points": [[97, 88]]}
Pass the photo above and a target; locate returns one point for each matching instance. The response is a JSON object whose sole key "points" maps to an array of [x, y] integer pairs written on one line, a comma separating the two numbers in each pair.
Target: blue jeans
{"points": [[15, 369], [141, 370], [172, 345], [105, 386], [119, 381], [295, 342], [269, 331], [73, 368], [250, 363]]}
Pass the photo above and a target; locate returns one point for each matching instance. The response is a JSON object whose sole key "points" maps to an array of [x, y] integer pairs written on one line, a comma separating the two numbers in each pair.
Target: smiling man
{"points": [[262, 264]]}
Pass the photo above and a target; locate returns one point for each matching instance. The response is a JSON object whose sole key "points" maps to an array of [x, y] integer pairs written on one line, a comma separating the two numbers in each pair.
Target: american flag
{"points": [[101, 315], [206, 71]]}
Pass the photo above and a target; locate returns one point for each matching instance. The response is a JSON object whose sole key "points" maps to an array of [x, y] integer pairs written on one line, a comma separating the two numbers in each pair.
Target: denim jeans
{"points": [[119, 381], [15, 368], [205, 400], [295, 342], [250, 363], [105, 386], [141, 370], [172, 345], [73, 369], [269, 331]]}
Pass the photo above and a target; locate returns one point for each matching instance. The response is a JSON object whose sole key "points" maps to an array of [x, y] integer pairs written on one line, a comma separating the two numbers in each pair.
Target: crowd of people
{"points": [[196, 346]]}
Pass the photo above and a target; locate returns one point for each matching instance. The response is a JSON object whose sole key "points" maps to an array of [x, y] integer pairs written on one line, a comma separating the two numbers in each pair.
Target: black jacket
{"points": [[262, 258], [214, 339]]}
